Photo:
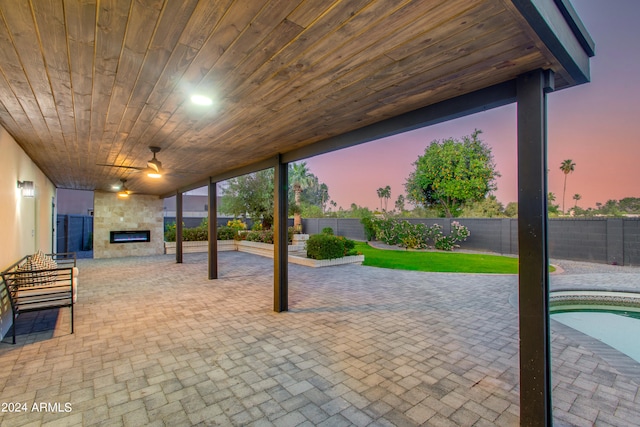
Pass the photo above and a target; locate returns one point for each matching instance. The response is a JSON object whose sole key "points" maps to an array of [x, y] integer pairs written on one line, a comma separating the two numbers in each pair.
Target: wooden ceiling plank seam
{"points": [[435, 92], [310, 11], [481, 51], [435, 82], [260, 31], [470, 17], [237, 55], [16, 111], [372, 43], [49, 20], [464, 49], [111, 22], [320, 113], [427, 48], [137, 40], [282, 68], [80, 32], [373, 16], [171, 24], [17, 79], [204, 59], [310, 77]]}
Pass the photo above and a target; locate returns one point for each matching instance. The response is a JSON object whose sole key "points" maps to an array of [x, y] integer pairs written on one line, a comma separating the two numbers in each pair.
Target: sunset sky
{"points": [[597, 125]]}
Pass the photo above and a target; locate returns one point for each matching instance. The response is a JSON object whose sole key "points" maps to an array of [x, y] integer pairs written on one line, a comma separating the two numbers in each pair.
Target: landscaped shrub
{"points": [[327, 230], [447, 243], [418, 236], [266, 236], [369, 228], [227, 233], [328, 246]]}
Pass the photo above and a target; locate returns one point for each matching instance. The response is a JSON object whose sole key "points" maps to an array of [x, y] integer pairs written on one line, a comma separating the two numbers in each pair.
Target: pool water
{"points": [[620, 330]]}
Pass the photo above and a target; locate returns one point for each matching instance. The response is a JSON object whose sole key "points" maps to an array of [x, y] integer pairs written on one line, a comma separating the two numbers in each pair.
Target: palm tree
{"points": [[380, 196], [567, 167], [387, 195], [576, 197], [300, 180]]}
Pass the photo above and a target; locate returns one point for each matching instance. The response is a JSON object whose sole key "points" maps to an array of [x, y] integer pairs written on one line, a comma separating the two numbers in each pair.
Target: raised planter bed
{"points": [[296, 251]]}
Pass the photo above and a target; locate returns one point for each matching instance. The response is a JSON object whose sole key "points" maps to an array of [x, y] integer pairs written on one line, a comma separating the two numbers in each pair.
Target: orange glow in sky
{"points": [[597, 125]]}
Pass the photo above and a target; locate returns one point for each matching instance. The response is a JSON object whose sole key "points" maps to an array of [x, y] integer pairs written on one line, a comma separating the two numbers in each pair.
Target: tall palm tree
{"points": [[300, 179], [380, 196], [387, 195], [567, 167], [576, 197]]}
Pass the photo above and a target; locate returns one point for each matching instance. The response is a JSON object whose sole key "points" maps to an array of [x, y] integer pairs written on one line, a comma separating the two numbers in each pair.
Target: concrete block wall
{"points": [[602, 240], [137, 212], [579, 239], [631, 243]]}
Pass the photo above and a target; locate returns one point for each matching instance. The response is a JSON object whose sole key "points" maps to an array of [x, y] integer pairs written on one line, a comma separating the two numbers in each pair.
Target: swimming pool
{"points": [[610, 317]]}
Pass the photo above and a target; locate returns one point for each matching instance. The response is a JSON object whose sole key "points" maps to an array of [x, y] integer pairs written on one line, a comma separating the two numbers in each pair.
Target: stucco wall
{"points": [[137, 212], [26, 222]]}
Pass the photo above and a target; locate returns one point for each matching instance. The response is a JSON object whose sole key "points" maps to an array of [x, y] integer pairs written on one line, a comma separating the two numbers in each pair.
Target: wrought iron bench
{"points": [[41, 282]]}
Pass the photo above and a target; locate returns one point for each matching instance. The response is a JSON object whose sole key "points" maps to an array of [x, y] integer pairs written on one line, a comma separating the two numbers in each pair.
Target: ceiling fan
{"points": [[152, 170], [124, 192]]}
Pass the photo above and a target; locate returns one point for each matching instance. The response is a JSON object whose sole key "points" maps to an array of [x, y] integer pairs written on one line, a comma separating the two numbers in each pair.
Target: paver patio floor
{"points": [[156, 343]]}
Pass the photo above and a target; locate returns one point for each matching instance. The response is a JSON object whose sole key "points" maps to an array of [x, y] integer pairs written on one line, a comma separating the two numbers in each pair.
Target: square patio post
{"points": [[178, 227], [213, 230], [280, 237], [533, 282]]}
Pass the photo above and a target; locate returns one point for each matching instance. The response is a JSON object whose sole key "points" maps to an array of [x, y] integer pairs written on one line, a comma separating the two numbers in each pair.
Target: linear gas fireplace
{"points": [[130, 236]]}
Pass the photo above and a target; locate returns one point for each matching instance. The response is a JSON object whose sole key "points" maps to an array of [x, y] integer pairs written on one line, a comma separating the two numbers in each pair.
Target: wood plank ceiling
{"points": [[87, 82]]}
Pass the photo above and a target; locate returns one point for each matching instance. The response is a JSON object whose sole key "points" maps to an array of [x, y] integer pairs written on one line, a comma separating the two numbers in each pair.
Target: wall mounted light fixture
{"points": [[27, 188]]}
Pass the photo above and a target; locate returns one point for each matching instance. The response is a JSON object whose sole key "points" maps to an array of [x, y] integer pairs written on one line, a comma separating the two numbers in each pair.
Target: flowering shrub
{"points": [[418, 236], [237, 224], [265, 236]]}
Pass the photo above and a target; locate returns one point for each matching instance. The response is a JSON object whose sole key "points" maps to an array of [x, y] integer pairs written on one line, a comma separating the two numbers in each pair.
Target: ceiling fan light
{"points": [[123, 193], [201, 100], [153, 174]]}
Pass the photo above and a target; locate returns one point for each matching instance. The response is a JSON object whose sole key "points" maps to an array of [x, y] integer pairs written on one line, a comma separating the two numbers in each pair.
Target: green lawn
{"points": [[437, 261]]}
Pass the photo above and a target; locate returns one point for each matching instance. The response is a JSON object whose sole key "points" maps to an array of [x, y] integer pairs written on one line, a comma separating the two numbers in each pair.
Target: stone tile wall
{"points": [[137, 212]]}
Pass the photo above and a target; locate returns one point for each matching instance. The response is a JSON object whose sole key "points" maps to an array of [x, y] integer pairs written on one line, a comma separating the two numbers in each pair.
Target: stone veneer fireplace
{"points": [[140, 216]]}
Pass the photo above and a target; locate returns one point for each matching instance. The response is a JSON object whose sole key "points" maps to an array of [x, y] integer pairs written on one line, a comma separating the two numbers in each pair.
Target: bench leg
{"points": [[71, 318]]}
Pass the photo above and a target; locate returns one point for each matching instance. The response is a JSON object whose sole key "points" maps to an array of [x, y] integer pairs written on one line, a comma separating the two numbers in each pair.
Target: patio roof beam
{"points": [[178, 195], [560, 29], [280, 238], [213, 230], [533, 264], [460, 106], [232, 173]]}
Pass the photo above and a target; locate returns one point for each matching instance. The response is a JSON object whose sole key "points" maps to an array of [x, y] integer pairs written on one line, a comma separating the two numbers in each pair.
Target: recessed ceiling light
{"points": [[201, 100]]}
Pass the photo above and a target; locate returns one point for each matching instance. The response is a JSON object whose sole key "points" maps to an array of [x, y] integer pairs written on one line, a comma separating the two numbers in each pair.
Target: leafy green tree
{"points": [[566, 167], [489, 207], [452, 173], [250, 195], [511, 210], [630, 205]]}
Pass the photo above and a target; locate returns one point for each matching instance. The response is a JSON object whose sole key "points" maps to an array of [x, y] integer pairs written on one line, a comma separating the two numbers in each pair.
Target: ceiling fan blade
{"points": [[123, 167]]}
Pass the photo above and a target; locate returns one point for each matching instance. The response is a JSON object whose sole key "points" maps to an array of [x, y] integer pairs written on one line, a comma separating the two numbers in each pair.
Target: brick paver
{"points": [[156, 343]]}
